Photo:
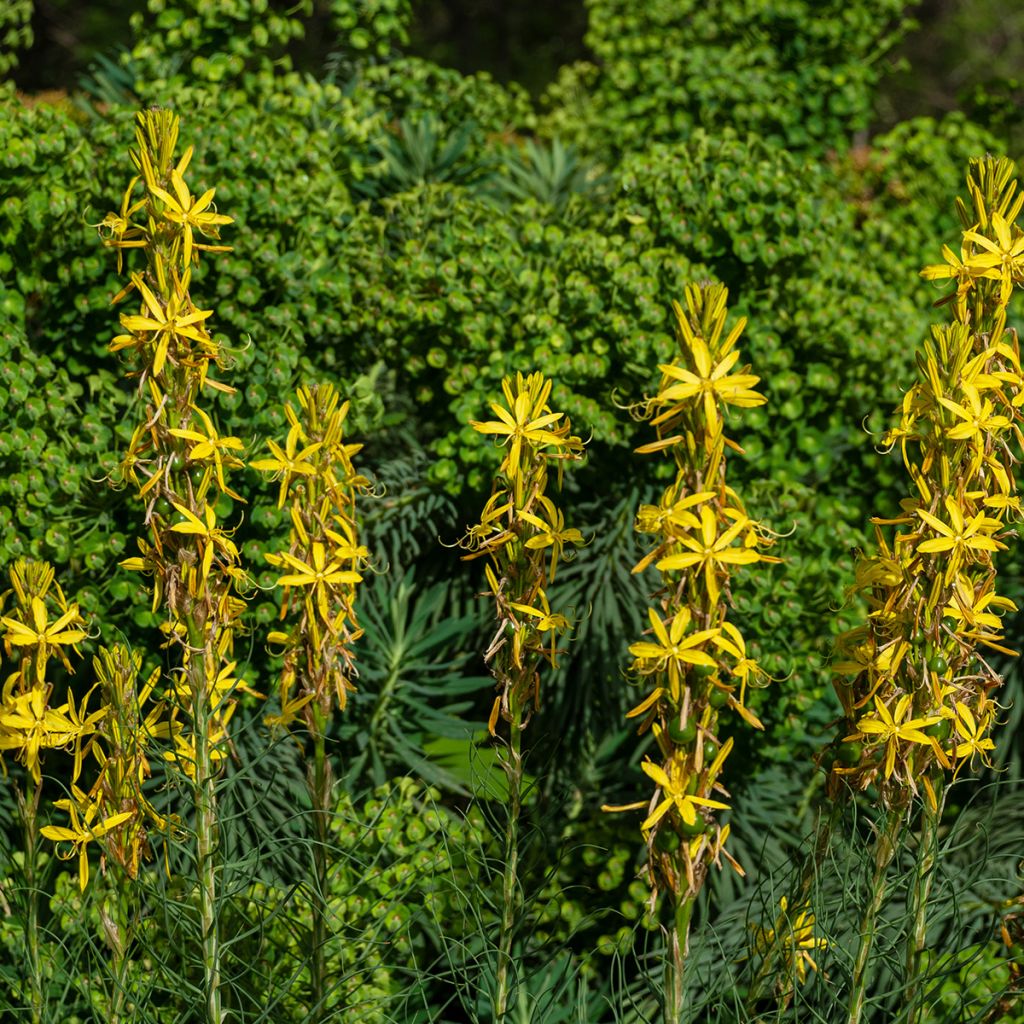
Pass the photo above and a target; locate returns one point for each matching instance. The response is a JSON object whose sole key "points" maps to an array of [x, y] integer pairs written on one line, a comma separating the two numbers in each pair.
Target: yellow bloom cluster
{"points": [[324, 557], [176, 458], [913, 681], [40, 625], [695, 664], [114, 810], [524, 535]]}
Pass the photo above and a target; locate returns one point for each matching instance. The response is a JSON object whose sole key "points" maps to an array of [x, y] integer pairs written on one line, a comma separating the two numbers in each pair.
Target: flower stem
{"points": [[29, 806], [513, 766], [206, 827], [927, 855], [885, 850], [675, 965], [320, 786]]}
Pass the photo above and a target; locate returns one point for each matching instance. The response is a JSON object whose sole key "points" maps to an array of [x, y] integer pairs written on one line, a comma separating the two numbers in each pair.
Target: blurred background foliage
{"points": [[428, 196]]}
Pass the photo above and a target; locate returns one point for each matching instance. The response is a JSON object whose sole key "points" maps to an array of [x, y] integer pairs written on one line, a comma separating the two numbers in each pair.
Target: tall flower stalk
{"points": [[916, 689], [523, 535], [695, 665], [321, 573], [180, 465], [39, 626]]}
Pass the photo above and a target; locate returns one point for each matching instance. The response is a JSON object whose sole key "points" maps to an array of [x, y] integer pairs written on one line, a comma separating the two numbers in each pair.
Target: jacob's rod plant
{"points": [[522, 534], [695, 664], [916, 689], [180, 465], [40, 626], [320, 485]]}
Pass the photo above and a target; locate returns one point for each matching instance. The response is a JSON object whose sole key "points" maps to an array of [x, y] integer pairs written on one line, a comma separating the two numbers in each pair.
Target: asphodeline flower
{"points": [[210, 446], [523, 419], [211, 536], [673, 781], [979, 418], [959, 537], [961, 270], [792, 939], [972, 735], [178, 319], [28, 725], [673, 649], [553, 533], [289, 462], [191, 213], [1004, 255], [90, 826], [709, 382], [712, 551], [319, 575], [46, 637], [893, 728]]}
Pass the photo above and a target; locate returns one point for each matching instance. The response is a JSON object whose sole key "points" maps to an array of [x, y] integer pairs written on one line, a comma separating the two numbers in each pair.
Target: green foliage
{"points": [[800, 73], [416, 688], [414, 235], [15, 32]]}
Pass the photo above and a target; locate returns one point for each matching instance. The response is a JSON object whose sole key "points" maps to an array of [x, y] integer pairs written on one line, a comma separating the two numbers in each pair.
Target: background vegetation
{"points": [[428, 197]]}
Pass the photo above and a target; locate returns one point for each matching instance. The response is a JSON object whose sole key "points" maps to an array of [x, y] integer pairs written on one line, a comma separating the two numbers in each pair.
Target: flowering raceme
{"points": [[913, 680], [695, 666]]}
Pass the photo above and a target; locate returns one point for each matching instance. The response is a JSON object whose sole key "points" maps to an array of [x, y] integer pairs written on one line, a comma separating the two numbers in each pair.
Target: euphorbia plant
{"points": [[695, 665], [916, 689], [523, 535]]}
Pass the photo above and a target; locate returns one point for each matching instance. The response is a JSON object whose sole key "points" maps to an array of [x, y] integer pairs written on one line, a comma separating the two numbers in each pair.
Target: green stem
{"points": [[927, 855], [117, 924], [675, 964], [206, 824], [29, 807], [320, 785], [885, 850], [513, 765]]}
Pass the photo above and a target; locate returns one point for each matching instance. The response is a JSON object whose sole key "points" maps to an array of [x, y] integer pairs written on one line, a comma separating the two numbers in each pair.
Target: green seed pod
{"points": [[718, 698], [690, 831], [667, 839], [850, 752], [682, 735]]}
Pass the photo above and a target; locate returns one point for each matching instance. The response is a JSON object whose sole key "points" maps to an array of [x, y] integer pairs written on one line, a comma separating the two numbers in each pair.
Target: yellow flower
{"points": [[552, 534], [1005, 255], [793, 939], [712, 549], [211, 536], [672, 651], [962, 272], [958, 537], [28, 726], [44, 635], [82, 831], [709, 383], [673, 784], [191, 213], [288, 462], [972, 734], [979, 419], [524, 419], [890, 728], [211, 446], [319, 574]]}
